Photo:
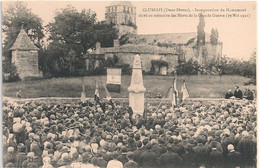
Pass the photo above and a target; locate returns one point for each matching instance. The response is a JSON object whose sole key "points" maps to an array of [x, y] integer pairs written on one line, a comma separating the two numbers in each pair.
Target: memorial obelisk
{"points": [[136, 89]]}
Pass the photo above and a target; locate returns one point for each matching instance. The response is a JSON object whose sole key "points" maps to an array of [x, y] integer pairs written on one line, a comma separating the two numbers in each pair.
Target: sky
{"points": [[238, 34]]}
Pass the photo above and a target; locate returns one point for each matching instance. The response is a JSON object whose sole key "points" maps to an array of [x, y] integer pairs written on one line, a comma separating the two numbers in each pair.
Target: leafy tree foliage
{"points": [[16, 15], [72, 34], [105, 34], [190, 67]]}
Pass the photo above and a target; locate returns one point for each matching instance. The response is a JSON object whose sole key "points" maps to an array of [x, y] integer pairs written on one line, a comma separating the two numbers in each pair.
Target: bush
{"points": [[157, 63], [188, 68], [13, 75]]}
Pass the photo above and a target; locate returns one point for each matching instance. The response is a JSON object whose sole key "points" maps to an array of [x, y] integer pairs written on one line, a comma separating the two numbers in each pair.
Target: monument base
{"points": [[137, 107]]}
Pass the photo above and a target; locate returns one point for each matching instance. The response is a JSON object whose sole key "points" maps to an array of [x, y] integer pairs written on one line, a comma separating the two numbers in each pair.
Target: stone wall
{"points": [[213, 52], [26, 63], [127, 58]]}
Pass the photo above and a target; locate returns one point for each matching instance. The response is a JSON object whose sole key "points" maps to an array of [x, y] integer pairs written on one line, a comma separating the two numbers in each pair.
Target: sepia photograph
{"points": [[129, 84]]}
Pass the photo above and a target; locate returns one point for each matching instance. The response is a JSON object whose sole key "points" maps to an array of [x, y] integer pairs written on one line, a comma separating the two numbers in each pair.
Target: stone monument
{"points": [[136, 89]]}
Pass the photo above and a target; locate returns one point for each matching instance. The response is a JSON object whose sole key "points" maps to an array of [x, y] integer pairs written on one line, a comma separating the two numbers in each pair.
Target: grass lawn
{"points": [[199, 86]]}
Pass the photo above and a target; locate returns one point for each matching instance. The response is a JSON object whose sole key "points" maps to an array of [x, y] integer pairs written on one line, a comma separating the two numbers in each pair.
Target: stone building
{"points": [[173, 48], [123, 15], [25, 56], [126, 54]]}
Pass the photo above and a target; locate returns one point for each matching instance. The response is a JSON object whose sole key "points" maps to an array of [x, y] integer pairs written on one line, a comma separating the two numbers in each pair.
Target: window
{"points": [[115, 8]]}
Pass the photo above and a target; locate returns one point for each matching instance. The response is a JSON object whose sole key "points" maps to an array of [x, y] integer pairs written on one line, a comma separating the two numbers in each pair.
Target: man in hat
{"points": [[100, 161], [201, 151], [115, 162], [20, 156], [123, 158], [247, 148], [248, 94], [229, 94], [130, 163], [238, 93], [35, 148], [160, 148], [30, 162], [9, 157], [233, 158], [170, 159], [138, 152], [215, 157], [148, 158]]}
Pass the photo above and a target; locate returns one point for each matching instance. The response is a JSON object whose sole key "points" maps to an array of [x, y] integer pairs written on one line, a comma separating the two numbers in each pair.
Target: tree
{"points": [[249, 69], [73, 28], [77, 31], [16, 15], [105, 34], [72, 33], [214, 37]]}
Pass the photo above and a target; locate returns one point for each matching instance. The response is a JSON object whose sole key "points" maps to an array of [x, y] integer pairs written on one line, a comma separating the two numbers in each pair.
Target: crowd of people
{"points": [[86, 135], [238, 94]]}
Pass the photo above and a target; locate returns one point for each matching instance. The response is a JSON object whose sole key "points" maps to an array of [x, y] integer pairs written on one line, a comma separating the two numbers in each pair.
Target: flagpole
{"points": [[107, 92], [188, 92], [162, 99]]}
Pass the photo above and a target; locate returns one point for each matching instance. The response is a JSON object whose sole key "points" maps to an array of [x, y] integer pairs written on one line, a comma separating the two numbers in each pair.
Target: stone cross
{"points": [[136, 89]]}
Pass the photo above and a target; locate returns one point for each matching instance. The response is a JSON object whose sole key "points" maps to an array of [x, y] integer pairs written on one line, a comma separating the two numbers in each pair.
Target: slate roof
{"points": [[138, 48], [23, 42]]}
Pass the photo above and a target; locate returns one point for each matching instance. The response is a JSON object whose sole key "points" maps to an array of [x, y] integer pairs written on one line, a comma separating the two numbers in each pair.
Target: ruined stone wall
{"points": [[26, 63], [214, 52]]}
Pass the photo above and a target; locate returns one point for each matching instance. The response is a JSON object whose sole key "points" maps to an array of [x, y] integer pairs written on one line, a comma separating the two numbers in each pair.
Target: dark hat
{"points": [[115, 154], [145, 141], [139, 144], [123, 149], [149, 145]]}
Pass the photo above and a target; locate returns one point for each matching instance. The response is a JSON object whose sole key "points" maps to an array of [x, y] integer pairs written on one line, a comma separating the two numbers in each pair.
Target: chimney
{"points": [[98, 47], [116, 43]]}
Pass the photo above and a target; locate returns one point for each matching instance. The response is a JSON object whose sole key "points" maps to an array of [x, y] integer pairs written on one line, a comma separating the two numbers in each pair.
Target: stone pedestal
{"points": [[136, 89]]}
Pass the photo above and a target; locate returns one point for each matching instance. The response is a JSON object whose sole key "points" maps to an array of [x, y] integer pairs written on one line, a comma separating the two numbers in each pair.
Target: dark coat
{"points": [[101, 163], [233, 159], [249, 95], [228, 95], [8, 158], [131, 164], [19, 159], [148, 160], [201, 153], [122, 158], [238, 94], [137, 155], [169, 160]]}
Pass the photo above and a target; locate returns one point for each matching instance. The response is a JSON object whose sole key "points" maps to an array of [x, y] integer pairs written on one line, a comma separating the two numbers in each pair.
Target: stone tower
{"points": [[123, 15], [25, 56], [200, 31]]}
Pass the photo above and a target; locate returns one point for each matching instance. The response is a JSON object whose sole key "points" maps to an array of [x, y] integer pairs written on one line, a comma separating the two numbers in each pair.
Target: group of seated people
{"points": [[83, 135], [248, 94]]}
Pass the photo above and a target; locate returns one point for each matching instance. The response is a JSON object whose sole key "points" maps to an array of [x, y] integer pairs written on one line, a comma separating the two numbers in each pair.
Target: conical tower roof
{"points": [[23, 42]]}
